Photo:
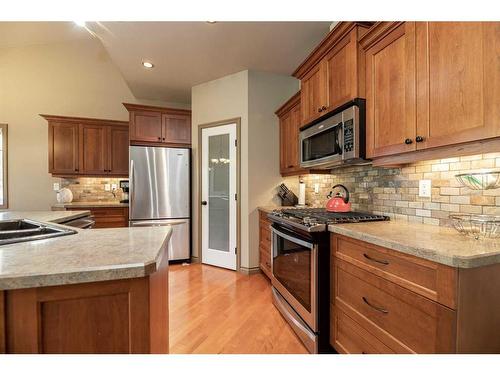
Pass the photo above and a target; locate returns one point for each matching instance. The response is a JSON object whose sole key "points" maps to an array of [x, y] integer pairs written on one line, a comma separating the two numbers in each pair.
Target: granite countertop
{"points": [[88, 256], [90, 204], [439, 244], [57, 217]]}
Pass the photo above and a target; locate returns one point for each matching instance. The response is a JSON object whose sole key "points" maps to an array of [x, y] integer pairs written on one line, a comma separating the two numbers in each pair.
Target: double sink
{"points": [[22, 230]]}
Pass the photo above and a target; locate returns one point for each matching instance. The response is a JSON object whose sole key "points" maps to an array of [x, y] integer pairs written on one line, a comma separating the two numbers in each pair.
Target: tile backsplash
{"points": [[394, 191], [86, 189]]}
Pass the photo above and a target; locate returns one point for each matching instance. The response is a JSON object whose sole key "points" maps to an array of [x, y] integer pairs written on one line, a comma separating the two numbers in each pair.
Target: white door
{"points": [[218, 195]]}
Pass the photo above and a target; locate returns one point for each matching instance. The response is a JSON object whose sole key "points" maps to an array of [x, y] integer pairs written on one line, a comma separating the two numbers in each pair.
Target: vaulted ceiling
{"points": [[184, 53]]}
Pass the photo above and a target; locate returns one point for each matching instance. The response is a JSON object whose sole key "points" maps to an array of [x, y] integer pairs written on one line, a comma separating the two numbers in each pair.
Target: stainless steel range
{"points": [[300, 267]]}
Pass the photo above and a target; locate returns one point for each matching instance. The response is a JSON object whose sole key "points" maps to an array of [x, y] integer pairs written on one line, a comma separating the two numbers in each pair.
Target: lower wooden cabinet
{"points": [[107, 217], [264, 244], [384, 301]]}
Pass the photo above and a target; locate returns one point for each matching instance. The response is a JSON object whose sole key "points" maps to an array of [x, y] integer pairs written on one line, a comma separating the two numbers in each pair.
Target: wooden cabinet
{"points": [[459, 68], [63, 148], [106, 217], [87, 147], [429, 85], [159, 126], [264, 243], [333, 73], [93, 149], [384, 301], [289, 123], [390, 93]]}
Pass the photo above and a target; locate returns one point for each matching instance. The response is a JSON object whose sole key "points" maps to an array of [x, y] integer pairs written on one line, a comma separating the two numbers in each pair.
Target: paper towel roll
{"points": [[302, 194]]}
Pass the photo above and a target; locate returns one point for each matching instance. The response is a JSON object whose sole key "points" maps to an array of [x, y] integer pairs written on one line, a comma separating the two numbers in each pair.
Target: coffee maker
{"points": [[124, 187]]}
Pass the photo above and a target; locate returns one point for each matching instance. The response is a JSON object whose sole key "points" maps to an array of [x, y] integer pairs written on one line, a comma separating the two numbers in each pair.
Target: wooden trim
{"points": [[5, 168], [328, 42], [3, 338], [250, 271], [214, 124], [377, 32], [471, 148], [84, 120], [160, 144], [289, 104], [173, 111]]}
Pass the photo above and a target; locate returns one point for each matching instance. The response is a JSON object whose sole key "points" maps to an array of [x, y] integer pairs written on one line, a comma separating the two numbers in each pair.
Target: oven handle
{"points": [[292, 239]]}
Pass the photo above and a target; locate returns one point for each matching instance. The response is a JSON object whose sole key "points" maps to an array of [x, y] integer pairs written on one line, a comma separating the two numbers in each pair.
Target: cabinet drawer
{"points": [[432, 280], [406, 318], [349, 337]]}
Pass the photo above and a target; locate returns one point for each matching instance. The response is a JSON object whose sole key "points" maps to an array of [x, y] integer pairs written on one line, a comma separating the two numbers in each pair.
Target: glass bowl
{"points": [[480, 180], [477, 226]]}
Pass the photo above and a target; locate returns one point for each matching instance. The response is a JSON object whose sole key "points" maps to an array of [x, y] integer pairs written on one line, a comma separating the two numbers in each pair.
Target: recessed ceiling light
{"points": [[211, 21], [148, 64], [80, 23]]}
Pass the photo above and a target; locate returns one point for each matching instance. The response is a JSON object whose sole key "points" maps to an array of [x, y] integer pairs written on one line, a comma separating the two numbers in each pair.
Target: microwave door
{"points": [[321, 145]]}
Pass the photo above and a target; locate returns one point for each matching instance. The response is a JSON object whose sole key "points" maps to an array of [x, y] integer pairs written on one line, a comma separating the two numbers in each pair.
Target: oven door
{"points": [[321, 145], [294, 273]]}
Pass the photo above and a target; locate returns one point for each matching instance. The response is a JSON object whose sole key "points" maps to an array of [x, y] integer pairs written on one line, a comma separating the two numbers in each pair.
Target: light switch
{"points": [[107, 187], [424, 188], [56, 186]]}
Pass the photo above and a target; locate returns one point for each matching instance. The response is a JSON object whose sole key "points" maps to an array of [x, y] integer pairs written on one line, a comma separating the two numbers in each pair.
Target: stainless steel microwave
{"points": [[336, 140]]}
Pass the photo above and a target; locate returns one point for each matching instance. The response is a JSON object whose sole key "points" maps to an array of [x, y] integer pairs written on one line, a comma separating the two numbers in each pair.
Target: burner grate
{"points": [[326, 217]]}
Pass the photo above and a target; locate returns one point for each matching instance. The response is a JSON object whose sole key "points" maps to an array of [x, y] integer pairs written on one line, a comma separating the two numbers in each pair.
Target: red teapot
{"points": [[338, 199]]}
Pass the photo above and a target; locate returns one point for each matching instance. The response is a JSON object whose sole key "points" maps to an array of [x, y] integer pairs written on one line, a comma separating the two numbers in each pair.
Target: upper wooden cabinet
{"points": [[87, 147], [333, 73], [160, 126], [431, 84], [390, 92], [289, 117]]}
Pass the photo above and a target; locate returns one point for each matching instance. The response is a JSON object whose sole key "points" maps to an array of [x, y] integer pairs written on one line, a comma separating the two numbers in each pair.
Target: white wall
{"points": [[253, 96], [73, 79], [218, 100]]}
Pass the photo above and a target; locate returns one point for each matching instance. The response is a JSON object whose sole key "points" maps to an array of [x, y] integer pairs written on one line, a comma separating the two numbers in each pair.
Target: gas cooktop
{"points": [[318, 219]]}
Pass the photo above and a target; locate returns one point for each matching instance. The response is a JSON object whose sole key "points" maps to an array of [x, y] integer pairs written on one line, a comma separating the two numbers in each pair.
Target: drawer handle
{"points": [[380, 309], [384, 262]]}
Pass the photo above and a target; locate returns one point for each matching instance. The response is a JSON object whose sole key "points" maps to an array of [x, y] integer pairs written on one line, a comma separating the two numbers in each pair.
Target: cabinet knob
{"points": [[319, 109], [204, 203], [163, 138], [159, 138], [323, 108], [408, 141], [419, 138], [76, 169]]}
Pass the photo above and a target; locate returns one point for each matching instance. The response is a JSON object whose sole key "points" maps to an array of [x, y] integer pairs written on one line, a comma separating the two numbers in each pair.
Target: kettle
{"points": [[338, 201]]}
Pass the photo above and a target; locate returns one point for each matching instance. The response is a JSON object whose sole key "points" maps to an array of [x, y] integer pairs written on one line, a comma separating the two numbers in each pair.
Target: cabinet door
{"points": [[63, 148], [391, 93], [118, 150], [285, 143], [93, 149], [341, 70], [294, 152], [458, 91], [176, 129], [314, 93], [145, 126]]}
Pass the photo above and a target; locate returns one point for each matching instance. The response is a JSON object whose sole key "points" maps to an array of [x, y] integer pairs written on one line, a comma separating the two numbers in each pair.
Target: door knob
{"points": [[204, 203]]}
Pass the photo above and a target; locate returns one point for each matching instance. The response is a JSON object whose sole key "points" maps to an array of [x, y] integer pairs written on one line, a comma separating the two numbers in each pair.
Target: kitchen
{"points": [[310, 208]]}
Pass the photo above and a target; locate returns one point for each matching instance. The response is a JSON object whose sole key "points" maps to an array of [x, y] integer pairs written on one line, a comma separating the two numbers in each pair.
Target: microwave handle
{"points": [[341, 140]]}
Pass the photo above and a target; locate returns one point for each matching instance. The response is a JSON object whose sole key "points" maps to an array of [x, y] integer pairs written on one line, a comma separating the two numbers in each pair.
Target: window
{"points": [[3, 166]]}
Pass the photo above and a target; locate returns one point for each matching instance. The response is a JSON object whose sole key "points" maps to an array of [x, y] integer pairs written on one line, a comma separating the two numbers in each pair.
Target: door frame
{"points": [[214, 124]]}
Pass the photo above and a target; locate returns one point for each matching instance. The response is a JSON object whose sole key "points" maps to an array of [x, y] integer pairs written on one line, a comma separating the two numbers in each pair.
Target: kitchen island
{"points": [[96, 291]]}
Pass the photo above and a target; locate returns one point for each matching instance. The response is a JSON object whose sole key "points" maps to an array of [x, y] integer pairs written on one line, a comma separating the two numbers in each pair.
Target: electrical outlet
{"points": [[56, 187], [114, 186], [107, 187], [424, 188], [316, 188]]}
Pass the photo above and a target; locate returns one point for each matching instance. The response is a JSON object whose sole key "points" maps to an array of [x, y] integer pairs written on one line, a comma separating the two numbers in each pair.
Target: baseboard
{"points": [[249, 271], [195, 260]]}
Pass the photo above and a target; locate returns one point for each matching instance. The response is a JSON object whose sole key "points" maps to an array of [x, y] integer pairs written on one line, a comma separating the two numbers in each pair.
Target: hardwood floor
{"points": [[213, 310]]}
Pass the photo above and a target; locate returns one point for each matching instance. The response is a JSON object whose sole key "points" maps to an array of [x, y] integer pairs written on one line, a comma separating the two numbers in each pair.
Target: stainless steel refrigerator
{"points": [[160, 193]]}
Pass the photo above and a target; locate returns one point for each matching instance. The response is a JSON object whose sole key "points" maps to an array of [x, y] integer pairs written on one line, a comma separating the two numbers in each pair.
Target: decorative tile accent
{"points": [[394, 191], [87, 189]]}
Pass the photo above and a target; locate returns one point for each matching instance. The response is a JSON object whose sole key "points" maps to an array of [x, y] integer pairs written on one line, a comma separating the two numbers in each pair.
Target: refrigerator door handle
{"points": [[131, 188], [154, 223]]}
